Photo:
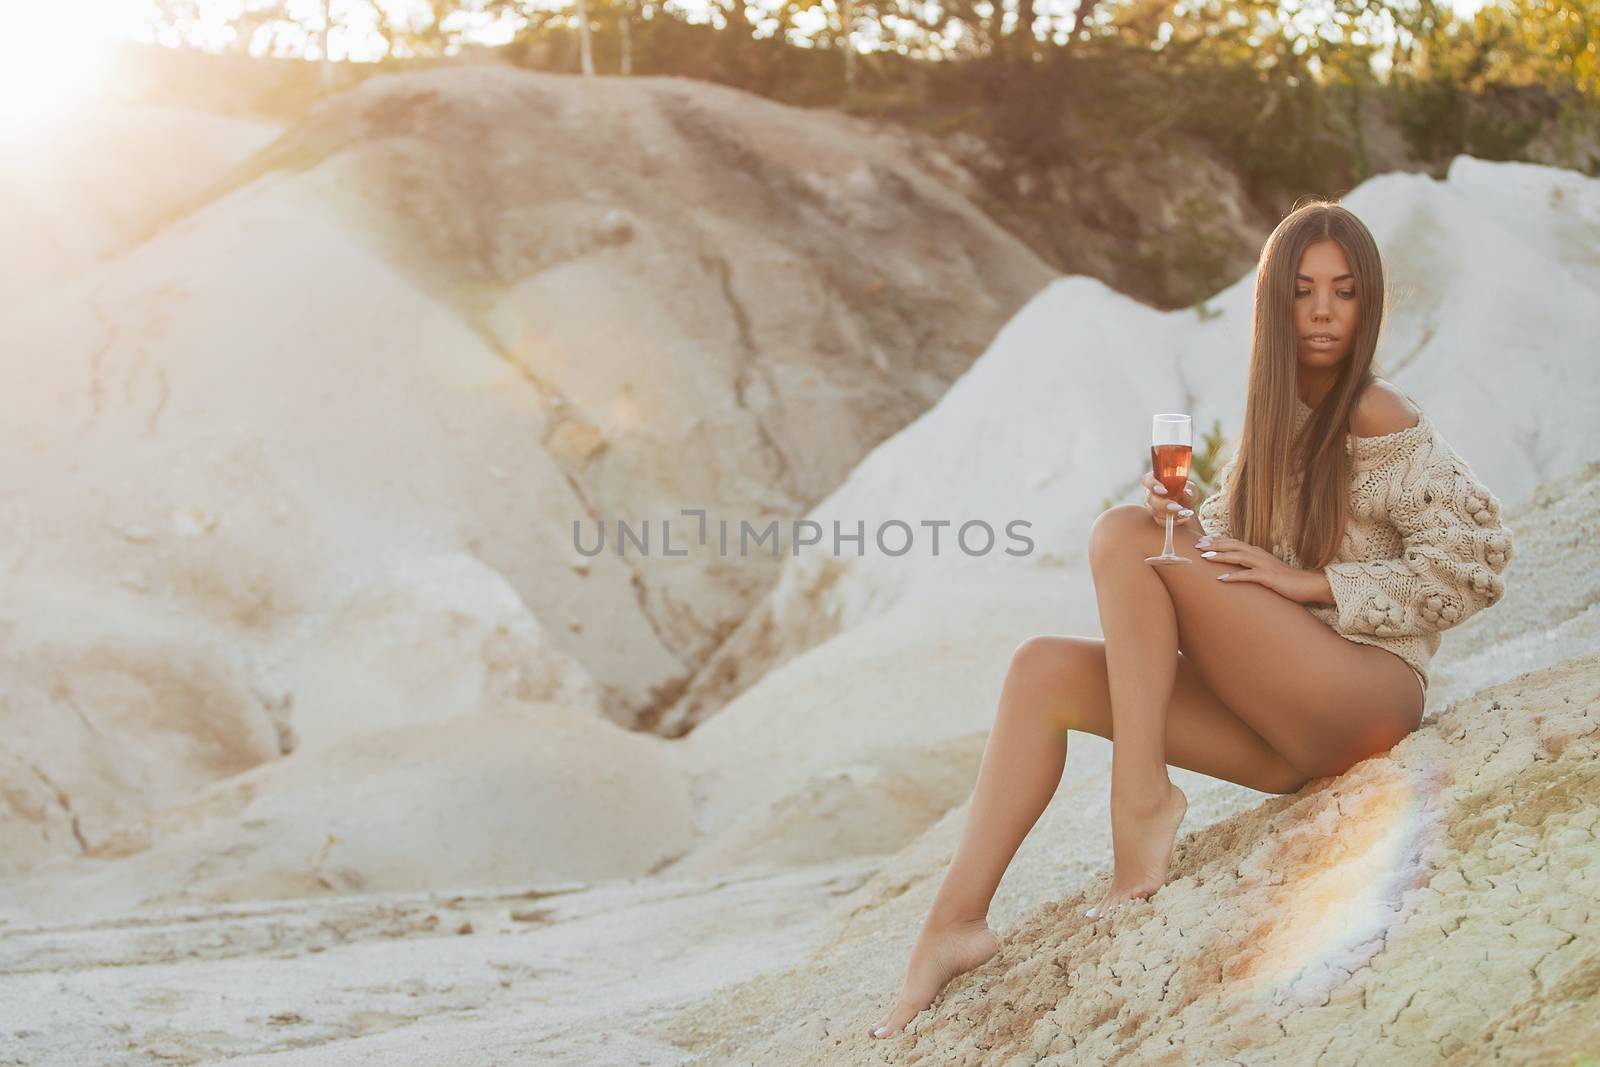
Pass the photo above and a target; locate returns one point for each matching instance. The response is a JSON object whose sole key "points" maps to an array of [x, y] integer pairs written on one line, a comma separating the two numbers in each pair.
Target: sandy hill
{"points": [[717, 301], [1434, 905], [1491, 273], [308, 462], [306, 756], [94, 184]]}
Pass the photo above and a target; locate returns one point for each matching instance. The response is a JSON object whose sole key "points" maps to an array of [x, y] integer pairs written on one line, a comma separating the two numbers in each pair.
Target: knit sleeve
{"points": [[1455, 549], [1213, 510]]}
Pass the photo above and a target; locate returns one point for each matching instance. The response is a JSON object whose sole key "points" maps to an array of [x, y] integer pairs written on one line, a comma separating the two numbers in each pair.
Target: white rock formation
{"points": [[1489, 322], [280, 600], [327, 436], [94, 183]]}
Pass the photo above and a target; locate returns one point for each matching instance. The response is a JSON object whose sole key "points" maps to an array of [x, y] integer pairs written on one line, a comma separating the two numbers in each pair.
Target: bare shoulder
{"points": [[1382, 409]]}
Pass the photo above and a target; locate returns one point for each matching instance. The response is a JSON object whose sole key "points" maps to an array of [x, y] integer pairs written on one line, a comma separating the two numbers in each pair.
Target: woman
{"points": [[1266, 668]]}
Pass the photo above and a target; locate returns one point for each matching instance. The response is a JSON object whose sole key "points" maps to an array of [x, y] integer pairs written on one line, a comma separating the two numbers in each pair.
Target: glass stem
{"points": [[1166, 549]]}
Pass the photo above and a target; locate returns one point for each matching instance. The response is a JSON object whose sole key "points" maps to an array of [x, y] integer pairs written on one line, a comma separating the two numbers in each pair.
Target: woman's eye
{"points": [[1349, 295]]}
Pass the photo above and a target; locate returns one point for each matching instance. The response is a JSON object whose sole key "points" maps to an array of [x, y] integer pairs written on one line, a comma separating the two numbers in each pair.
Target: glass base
{"points": [[1164, 561]]}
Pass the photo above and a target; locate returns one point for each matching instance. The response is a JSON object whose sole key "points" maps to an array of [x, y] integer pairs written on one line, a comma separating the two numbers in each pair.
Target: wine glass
{"points": [[1171, 444]]}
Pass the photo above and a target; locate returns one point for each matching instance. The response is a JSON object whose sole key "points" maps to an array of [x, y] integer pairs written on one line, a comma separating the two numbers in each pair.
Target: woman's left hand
{"points": [[1260, 567]]}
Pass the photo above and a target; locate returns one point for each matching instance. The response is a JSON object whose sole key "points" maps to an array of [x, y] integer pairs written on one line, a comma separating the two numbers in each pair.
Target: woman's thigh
{"points": [[1202, 734], [1321, 700]]}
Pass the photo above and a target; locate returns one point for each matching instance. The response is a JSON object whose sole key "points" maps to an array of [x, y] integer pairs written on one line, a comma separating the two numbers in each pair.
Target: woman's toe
{"points": [[903, 1013], [1108, 904]]}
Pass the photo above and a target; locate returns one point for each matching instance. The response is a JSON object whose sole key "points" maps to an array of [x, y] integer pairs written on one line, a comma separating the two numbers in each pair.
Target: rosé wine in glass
{"points": [[1171, 448]]}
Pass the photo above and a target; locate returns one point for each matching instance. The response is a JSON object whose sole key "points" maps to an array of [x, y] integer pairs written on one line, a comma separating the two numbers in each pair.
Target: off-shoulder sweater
{"points": [[1423, 547]]}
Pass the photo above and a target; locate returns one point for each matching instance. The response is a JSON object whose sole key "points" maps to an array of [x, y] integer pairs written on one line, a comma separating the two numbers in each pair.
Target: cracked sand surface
{"points": [[1437, 904], [548, 975]]}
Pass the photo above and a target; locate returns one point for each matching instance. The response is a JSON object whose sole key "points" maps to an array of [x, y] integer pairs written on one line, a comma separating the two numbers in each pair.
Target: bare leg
{"points": [[1260, 693], [1141, 644], [1021, 767], [1320, 700], [1054, 684]]}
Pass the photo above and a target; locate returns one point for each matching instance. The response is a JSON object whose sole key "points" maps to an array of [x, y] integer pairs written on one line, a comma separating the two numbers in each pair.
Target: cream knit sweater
{"points": [[1423, 546]]}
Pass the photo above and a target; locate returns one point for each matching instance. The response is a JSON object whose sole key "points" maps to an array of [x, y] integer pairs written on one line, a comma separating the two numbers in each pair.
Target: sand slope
{"points": [[1487, 326], [1422, 907], [326, 437], [93, 184], [728, 321], [515, 792], [1435, 902], [369, 675]]}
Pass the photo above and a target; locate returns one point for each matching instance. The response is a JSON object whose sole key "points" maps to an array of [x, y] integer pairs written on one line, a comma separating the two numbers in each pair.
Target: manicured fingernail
{"points": [[1186, 513], [1208, 555], [1161, 489], [1173, 506], [880, 1031], [1222, 577]]}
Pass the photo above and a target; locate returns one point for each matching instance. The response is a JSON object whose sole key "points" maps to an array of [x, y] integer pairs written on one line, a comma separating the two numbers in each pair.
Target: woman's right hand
{"points": [[1157, 501]]}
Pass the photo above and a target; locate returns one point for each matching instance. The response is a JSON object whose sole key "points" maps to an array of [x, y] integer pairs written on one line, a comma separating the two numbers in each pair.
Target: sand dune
{"points": [[1487, 327], [99, 182], [187, 461], [517, 792], [336, 424], [729, 322], [313, 744], [770, 791], [1325, 911], [1431, 905]]}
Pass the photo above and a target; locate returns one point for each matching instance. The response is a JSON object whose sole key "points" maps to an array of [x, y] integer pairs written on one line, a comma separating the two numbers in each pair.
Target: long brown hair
{"points": [[1269, 458]]}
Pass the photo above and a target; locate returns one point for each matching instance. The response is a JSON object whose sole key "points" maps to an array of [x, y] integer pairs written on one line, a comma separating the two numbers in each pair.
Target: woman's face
{"points": [[1324, 305]]}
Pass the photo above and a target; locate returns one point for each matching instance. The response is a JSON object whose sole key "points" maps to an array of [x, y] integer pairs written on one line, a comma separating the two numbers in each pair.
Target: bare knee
{"points": [[1049, 675], [1052, 664], [1109, 533], [1042, 658]]}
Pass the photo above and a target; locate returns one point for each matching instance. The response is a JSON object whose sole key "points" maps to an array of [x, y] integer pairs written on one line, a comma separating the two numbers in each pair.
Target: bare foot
{"points": [[939, 955], [1141, 841]]}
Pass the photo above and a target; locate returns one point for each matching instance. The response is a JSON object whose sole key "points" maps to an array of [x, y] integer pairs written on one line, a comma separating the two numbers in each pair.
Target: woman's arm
{"points": [[1321, 591], [1455, 550]]}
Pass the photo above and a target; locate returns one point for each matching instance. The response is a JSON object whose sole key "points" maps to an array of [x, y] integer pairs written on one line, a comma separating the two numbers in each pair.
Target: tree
{"points": [[416, 27], [1556, 42]]}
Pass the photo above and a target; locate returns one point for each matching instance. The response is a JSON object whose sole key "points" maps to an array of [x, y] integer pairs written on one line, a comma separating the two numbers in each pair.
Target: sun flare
{"points": [[52, 56]]}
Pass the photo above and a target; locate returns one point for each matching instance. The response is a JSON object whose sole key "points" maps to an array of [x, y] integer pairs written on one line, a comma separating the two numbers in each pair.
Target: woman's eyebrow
{"points": [[1309, 278]]}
